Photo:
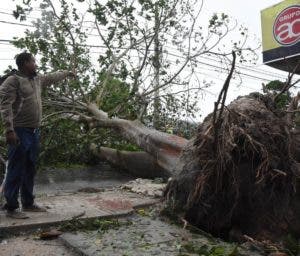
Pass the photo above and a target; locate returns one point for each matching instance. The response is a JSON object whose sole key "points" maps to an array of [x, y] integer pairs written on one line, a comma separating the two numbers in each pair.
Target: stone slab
{"points": [[31, 246], [139, 236], [63, 208], [146, 236]]}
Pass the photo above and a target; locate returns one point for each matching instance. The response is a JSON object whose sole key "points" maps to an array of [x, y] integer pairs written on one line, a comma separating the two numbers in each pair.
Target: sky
{"points": [[245, 12]]}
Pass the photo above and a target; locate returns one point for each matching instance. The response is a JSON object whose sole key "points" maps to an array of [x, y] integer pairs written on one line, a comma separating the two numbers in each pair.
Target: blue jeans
{"points": [[21, 168]]}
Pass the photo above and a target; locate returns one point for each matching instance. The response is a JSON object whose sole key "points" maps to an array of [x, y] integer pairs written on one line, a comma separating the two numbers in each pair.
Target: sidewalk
{"points": [[135, 232], [63, 208]]}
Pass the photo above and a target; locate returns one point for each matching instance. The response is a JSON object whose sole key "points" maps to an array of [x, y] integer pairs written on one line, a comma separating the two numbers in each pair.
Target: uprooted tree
{"points": [[238, 172]]}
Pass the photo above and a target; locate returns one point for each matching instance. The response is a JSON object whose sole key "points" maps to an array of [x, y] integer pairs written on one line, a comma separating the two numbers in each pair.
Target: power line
{"points": [[218, 67], [172, 54], [35, 19], [253, 69], [215, 60], [263, 72], [221, 79], [84, 45], [178, 56], [15, 23]]}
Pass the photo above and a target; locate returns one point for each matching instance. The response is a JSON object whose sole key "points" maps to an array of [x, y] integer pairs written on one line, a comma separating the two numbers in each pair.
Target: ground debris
{"points": [[51, 234], [145, 187], [149, 236], [90, 190]]}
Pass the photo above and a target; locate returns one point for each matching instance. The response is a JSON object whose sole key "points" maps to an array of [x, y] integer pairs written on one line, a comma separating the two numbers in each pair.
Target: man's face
{"points": [[30, 66]]}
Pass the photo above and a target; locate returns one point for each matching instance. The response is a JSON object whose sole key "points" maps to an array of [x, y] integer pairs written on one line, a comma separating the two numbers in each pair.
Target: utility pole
{"points": [[156, 65]]}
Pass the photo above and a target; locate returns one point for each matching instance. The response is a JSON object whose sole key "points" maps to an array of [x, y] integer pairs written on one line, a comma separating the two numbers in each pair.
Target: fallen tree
{"points": [[248, 184], [238, 173], [139, 164]]}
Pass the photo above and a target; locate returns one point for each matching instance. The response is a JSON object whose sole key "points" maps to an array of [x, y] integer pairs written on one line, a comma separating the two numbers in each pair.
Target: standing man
{"points": [[21, 110]]}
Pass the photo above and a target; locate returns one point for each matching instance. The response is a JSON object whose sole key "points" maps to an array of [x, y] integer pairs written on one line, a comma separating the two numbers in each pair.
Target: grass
{"points": [[98, 224], [207, 250]]}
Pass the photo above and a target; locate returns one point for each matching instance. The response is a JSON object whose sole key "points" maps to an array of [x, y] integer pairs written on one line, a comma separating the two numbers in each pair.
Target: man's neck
{"points": [[27, 74]]}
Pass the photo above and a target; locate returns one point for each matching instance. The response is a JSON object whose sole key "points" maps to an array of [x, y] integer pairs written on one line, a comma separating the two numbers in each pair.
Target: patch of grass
{"points": [[144, 212], [152, 212], [206, 250]]}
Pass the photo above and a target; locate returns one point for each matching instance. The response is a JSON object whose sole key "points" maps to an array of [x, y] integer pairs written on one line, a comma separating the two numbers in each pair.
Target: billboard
{"points": [[281, 35]]}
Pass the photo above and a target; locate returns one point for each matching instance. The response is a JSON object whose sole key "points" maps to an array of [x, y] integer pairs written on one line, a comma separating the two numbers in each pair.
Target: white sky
{"points": [[245, 12]]}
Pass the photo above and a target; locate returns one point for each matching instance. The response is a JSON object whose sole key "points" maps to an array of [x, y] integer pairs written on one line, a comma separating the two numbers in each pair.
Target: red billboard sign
{"points": [[286, 28]]}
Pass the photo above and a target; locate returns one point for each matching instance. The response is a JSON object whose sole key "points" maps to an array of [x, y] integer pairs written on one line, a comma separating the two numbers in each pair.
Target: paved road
{"points": [[52, 181]]}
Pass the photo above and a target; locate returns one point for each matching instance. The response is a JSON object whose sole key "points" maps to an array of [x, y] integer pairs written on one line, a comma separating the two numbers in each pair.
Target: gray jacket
{"points": [[20, 99]]}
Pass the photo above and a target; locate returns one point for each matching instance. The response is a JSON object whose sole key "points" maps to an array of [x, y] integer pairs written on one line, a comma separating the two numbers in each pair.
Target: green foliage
{"points": [[282, 101], [112, 140], [217, 20], [20, 12], [64, 142], [53, 40], [208, 250], [116, 98], [275, 87]]}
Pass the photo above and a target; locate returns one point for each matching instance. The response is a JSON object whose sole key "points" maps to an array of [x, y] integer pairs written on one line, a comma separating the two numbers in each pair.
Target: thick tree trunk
{"points": [[164, 148], [139, 164]]}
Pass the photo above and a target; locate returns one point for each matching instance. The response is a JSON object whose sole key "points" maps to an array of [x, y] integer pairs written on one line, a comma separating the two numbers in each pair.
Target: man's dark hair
{"points": [[22, 58]]}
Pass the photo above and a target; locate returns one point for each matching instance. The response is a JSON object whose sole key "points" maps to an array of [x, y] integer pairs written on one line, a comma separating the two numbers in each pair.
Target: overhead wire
{"points": [[178, 56], [262, 72]]}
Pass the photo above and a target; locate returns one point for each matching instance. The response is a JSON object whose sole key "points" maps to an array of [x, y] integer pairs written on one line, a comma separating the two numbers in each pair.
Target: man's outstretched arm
{"points": [[55, 77]]}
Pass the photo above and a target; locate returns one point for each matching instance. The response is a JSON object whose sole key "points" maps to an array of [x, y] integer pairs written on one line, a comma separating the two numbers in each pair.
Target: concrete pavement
{"points": [[62, 208]]}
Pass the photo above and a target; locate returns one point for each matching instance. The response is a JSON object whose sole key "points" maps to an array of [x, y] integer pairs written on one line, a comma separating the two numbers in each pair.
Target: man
{"points": [[21, 110]]}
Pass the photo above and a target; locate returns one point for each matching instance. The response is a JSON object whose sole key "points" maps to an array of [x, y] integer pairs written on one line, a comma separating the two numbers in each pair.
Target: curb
{"points": [[31, 228], [72, 247], [81, 252]]}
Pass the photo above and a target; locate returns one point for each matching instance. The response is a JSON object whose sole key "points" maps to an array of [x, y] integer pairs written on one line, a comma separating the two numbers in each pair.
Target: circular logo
{"points": [[286, 28]]}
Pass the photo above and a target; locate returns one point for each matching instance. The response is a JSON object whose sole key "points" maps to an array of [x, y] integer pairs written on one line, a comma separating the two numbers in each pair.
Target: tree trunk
{"points": [[139, 164], [164, 148]]}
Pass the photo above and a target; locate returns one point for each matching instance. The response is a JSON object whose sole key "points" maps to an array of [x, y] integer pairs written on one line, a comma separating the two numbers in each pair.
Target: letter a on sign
{"points": [[286, 28]]}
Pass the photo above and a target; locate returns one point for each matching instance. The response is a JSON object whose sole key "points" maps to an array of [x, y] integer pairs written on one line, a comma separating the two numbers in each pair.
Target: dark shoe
{"points": [[15, 214], [34, 208]]}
